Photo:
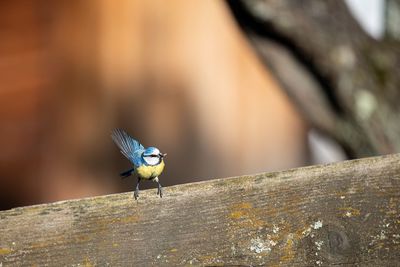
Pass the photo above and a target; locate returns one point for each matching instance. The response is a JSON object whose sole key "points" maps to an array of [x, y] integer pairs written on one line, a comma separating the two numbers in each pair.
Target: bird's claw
{"points": [[159, 192], [136, 194]]}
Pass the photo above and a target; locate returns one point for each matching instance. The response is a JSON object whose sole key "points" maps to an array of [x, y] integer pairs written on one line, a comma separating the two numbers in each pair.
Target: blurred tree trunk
{"points": [[392, 19], [343, 81]]}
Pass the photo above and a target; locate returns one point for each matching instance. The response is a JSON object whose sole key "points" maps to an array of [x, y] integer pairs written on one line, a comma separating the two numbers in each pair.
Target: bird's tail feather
{"points": [[126, 144], [126, 173]]}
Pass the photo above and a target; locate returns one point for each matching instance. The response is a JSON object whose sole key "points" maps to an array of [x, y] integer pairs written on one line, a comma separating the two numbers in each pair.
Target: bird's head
{"points": [[152, 156]]}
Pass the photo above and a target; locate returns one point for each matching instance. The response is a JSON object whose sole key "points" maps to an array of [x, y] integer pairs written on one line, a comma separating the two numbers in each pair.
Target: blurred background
{"points": [[200, 80]]}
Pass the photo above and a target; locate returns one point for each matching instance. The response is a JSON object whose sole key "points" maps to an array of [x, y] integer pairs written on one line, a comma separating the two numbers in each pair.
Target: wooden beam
{"points": [[344, 213]]}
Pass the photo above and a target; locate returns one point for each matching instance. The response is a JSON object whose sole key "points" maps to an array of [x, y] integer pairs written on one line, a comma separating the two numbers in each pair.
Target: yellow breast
{"points": [[150, 172]]}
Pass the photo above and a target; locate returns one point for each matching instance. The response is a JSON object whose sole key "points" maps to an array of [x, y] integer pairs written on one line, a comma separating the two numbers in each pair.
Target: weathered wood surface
{"points": [[345, 213]]}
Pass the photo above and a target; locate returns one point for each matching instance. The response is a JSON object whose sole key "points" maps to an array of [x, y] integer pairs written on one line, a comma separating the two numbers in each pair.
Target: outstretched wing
{"points": [[129, 147]]}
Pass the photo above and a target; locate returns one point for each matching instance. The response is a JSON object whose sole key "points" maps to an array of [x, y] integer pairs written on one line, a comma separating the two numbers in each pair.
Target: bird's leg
{"points": [[159, 191], [136, 193]]}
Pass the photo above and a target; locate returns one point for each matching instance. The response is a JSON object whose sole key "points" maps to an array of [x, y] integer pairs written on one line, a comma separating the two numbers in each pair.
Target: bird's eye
{"points": [[153, 156]]}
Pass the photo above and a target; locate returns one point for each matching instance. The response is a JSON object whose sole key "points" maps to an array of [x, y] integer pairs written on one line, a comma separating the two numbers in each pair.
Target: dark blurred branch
{"points": [[343, 81]]}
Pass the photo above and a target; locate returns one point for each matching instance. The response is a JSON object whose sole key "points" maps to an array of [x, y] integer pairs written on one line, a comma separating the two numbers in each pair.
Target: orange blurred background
{"points": [[178, 75]]}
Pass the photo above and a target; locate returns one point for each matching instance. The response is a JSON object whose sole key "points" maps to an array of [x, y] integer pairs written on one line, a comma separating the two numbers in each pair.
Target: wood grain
{"points": [[345, 213]]}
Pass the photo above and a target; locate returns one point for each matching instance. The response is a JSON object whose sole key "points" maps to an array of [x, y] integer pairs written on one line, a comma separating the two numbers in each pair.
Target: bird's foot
{"points": [[136, 194], [160, 191]]}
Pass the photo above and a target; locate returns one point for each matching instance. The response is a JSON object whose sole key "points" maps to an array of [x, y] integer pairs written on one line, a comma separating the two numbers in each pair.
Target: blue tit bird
{"points": [[148, 163]]}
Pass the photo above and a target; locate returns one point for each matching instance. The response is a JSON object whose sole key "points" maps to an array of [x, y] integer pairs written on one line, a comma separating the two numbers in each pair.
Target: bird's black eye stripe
{"points": [[154, 156]]}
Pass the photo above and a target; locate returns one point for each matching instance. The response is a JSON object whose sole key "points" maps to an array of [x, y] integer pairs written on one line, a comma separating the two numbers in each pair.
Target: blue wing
{"points": [[129, 147]]}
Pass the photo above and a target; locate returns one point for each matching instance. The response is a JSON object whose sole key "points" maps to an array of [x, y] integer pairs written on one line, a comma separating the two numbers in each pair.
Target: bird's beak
{"points": [[163, 155]]}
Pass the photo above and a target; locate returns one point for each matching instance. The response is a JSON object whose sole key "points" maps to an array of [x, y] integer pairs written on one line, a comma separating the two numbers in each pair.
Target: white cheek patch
{"points": [[152, 160]]}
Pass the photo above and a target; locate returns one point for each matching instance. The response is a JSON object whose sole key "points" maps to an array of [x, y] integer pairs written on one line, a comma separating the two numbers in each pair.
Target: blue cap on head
{"points": [[151, 151]]}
